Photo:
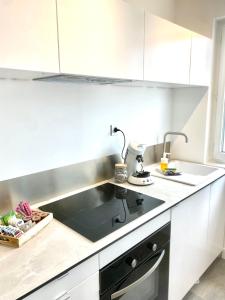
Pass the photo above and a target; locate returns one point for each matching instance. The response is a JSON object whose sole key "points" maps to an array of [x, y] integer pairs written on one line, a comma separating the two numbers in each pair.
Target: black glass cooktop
{"points": [[101, 210]]}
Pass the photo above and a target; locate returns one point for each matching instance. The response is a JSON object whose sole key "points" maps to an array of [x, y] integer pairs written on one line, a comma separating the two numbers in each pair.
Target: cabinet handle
{"points": [[67, 298], [64, 275], [61, 297], [140, 280]]}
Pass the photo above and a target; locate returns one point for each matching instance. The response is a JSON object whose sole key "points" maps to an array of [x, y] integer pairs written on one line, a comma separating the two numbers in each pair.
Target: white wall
{"points": [[190, 116], [48, 125], [198, 15], [162, 8]]}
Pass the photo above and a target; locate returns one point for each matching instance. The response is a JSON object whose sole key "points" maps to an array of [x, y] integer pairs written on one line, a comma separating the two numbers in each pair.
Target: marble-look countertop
{"points": [[57, 248]]}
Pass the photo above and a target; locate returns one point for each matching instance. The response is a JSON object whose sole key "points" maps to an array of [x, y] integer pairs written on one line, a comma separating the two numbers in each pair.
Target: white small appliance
{"points": [[134, 161]]}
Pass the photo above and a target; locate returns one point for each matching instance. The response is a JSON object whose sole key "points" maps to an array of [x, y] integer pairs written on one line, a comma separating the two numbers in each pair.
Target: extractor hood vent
{"points": [[82, 79]]}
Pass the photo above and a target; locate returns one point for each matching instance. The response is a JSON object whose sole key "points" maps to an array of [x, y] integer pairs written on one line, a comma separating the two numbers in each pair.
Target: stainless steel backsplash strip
{"points": [[52, 183]]}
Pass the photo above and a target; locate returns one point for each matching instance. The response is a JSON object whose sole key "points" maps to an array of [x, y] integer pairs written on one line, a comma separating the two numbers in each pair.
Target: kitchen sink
{"points": [[191, 173]]}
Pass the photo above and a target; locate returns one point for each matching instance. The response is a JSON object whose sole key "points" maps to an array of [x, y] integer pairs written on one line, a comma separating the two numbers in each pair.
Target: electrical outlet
{"points": [[112, 130]]}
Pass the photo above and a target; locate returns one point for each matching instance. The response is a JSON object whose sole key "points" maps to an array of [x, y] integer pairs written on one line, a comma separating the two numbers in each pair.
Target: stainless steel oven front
{"points": [[142, 273]]}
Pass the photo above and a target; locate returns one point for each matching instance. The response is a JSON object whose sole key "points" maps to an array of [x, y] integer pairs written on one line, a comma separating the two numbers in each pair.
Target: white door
{"points": [[28, 35], [101, 38], [167, 51], [87, 290], [77, 282], [200, 60], [216, 218], [188, 248]]}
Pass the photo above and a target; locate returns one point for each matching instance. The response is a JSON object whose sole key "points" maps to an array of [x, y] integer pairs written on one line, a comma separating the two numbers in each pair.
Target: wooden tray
{"points": [[18, 242]]}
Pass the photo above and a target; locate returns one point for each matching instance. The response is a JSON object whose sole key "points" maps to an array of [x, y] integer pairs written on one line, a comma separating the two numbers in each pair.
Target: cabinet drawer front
{"points": [[118, 248], [88, 289], [67, 281]]}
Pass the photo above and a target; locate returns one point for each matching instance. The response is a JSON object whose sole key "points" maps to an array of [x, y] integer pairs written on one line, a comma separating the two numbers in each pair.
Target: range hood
{"points": [[82, 79], [106, 81]]}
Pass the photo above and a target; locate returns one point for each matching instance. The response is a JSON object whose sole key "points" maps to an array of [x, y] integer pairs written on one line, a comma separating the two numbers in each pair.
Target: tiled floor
{"points": [[212, 284]]}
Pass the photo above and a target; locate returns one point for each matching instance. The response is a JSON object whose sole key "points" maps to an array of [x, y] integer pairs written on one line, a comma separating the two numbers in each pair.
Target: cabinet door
{"points": [[28, 34], [88, 289], [101, 38], [188, 252], [167, 51], [200, 60], [74, 278], [216, 218]]}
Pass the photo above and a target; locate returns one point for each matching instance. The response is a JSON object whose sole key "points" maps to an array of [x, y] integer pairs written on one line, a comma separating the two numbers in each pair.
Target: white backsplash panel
{"points": [[45, 125]]}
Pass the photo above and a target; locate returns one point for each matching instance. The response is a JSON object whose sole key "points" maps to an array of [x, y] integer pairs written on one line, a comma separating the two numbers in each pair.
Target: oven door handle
{"points": [[140, 280]]}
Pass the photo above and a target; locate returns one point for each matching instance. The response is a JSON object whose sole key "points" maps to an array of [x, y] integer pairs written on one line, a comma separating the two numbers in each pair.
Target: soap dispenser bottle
{"points": [[164, 162]]}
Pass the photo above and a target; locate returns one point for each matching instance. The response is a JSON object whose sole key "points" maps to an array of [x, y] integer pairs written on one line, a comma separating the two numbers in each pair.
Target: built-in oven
{"points": [[142, 273]]}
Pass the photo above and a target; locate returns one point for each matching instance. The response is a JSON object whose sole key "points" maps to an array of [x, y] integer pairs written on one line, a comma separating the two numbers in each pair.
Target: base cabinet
{"points": [[216, 218], [80, 283], [88, 289], [188, 246], [197, 235]]}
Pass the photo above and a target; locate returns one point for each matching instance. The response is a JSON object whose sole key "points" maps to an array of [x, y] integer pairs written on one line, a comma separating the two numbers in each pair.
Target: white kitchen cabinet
{"points": [[88, 289], [216, 219], [200, 60], [101, 38], [188, 249], [73, 284], [167, 51], [28, 34]]}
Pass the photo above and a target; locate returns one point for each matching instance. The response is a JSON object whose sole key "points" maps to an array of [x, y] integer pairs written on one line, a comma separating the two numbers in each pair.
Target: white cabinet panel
{"points": [[188, 252], [73, 278], [101, 38], [200, 60], [88, 289], [28, 34], [167, 51], [216, 218]]}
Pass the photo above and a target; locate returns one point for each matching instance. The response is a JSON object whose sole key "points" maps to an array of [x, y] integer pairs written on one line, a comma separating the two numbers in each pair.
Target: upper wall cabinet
{"points": [[28, 34], [98, 38], [101, 38], [167, 51], [200, 60]]}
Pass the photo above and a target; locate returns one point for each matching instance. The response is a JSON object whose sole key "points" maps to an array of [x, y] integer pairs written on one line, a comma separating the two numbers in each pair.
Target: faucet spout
{"points": [[173, 133]]}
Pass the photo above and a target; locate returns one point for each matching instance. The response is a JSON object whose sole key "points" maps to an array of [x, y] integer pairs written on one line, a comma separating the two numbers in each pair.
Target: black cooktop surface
{"points": [[99, 211]]}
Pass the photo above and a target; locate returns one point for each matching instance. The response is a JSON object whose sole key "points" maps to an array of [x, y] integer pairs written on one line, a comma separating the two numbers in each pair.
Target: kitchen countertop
{"points": [[57, 248]]}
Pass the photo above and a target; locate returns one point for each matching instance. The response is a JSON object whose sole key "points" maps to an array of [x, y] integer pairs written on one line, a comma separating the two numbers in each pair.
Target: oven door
{"points": [[149, 281]]}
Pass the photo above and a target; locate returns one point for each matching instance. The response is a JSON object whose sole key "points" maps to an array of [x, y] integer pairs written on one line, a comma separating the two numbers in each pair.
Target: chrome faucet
{"points": [[173, 133]]}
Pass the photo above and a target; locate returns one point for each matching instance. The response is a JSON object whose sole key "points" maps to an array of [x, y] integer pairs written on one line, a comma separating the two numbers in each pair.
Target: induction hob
{"points": [[99, 211]]}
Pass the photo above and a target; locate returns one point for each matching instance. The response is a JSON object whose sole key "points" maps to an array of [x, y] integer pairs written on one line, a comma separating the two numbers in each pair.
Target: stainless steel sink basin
{"points": [[191, 173]]}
